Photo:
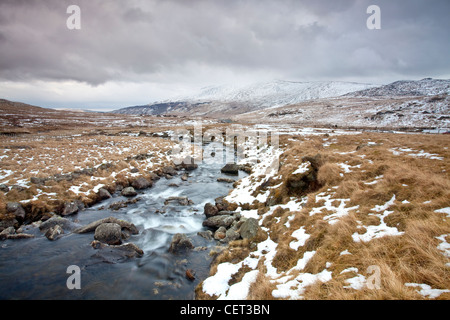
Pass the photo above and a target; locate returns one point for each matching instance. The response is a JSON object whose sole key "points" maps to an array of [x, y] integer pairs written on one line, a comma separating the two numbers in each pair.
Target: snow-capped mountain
{"points": [[235, 99], [424, 87], [276, 93]]}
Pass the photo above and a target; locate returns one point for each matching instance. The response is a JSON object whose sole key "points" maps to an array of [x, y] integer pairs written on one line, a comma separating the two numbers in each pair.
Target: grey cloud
{"points": [[136, 40]]}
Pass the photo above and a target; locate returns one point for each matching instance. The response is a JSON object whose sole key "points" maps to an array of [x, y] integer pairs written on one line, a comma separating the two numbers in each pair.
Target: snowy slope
{"points": [[424, 87], [276, 93]]}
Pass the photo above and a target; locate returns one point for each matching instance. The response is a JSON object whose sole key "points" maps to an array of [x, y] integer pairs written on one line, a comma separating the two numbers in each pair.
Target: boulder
{"points": [[70, 208], [208, 235], [230, 168], [220, 233], [232, 235], [182, 201], [169, 170], [210, 210], [109, 233], [218, 221], [122, 223], [54, 232], [16, 209], [221, 204], [115, 253], [104, 194], [63, 223], [4, 187], [180, 242], [188, 164], [249, 228], [227, 180], [141, 183], [129, 192]]}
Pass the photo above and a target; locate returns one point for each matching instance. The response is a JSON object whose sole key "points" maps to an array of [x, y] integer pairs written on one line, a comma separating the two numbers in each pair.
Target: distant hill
{"points": [[233, 99]]}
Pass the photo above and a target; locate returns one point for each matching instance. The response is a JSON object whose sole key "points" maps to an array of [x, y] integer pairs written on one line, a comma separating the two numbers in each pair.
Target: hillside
{"points": [[217, 101]]}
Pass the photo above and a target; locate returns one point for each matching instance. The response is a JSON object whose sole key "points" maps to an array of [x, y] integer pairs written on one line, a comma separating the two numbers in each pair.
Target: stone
{"points": [[116, 253], [180, 242], [169, 170], [220, 233], [190, 274], [141, 183], [208, 235], [16, 209], [69, 208], [103, 194], [122, 223], [232, 235], [182, 201], [4, 188], [57, 221], [109, 233], [227, 180], [249, 228], [230, 168], [129, 192], [54, 232], [188, 164], [218, 221], [210, 210]]}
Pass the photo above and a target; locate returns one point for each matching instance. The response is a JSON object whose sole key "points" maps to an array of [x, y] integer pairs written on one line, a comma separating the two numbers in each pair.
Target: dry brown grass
{"points": [[366, 170]]}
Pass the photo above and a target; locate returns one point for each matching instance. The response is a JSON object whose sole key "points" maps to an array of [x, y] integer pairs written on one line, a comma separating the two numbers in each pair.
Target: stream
{"points": [[36, 268]]}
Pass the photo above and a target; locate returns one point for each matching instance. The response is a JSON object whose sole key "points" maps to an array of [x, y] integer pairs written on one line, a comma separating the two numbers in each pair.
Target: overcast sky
{"points": [[138, 51]]}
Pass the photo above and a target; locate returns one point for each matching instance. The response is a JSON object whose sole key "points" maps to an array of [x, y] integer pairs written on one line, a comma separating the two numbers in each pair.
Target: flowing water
{"points": [[36, 268]]}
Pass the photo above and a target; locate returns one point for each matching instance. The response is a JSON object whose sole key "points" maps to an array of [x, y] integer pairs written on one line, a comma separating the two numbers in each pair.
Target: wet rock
{"points": [[249, 228], [54, 232], [122, 223], [182, 201], [141, 183], [153, 176], [19, 236], [184, 177], [188, 164], [218, 221], [169, 170], [227, 180], [16, 209], [210, 210], [116, 253], [6, 232], [208, 235], [6, 223], [190, 274], [180, 242], [69, 208], [221, 204], [122, 204], [4, 187], [57, 221], [109, 233], [104, 194], [129, 192], [230, 168]]}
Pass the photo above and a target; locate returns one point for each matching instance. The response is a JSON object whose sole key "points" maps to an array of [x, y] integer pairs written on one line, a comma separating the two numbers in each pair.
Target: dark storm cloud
{"points": [[148, 40]]}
